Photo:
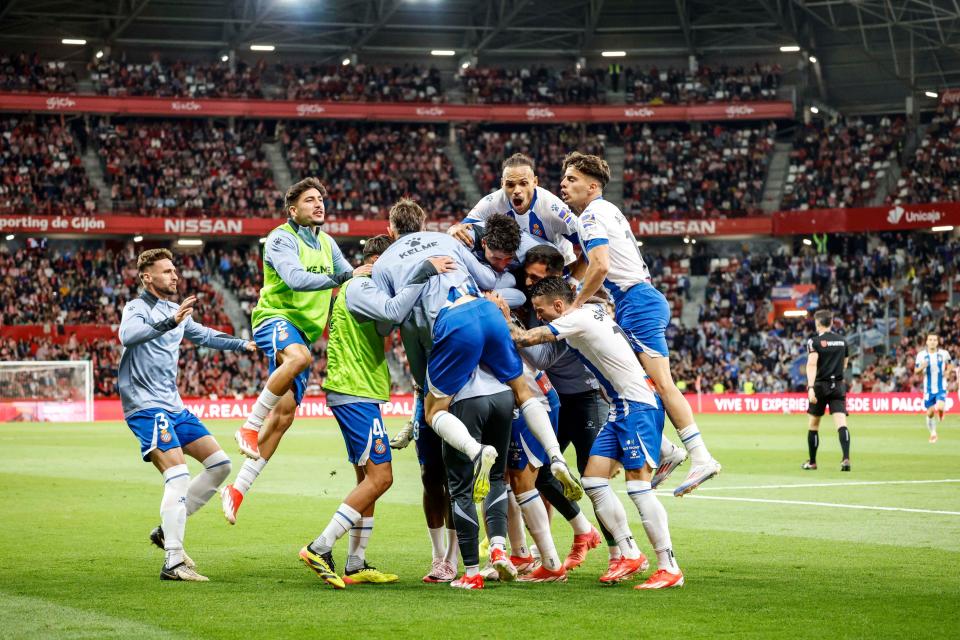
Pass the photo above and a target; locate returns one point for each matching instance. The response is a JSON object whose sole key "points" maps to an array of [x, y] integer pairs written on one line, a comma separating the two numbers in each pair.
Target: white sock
{"points": [[452, 554], [357, 543], [472, 570], [690, 436], [452, 431], [538, 421], [438, 543], [614, 552], [518, 538], [931, 424], [248, 473], [216, 469], [666, 447], [261, 408], [535, 514], [342, 521], [654, 518], [580, 524], [173, 512], [611, 513]]}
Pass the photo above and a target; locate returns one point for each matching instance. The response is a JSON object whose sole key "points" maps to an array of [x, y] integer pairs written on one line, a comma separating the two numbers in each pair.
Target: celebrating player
{"points": [[826, 362], [630, 438], [301, 266], [151, 330], [934, 362], [536, 210], [614, 261]]}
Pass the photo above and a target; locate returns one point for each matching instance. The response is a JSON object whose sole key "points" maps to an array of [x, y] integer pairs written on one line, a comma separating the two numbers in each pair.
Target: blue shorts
{"points": [[634, 439], [275, 335], [363, 432], [161, 430], [428, 443], [525, 449], [644, 313], [465, 337], [931, 399]]}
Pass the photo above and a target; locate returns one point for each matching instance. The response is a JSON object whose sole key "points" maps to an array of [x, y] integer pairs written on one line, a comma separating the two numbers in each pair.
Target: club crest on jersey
{"points": [[537, 230], [379, 447], [282, 331], [165, 436]]}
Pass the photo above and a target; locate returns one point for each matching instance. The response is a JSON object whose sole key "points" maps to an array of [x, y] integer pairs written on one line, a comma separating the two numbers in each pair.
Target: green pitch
{"points": [[761, 560]]}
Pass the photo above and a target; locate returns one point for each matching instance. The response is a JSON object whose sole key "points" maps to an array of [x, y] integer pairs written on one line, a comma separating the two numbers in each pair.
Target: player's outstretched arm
{"points": [[137, 327], [366, 301], [207, 337], [529, 337]]}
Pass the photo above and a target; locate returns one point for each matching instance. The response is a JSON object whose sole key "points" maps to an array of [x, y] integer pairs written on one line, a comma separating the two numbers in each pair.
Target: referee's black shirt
{"points": [[831, 349]]}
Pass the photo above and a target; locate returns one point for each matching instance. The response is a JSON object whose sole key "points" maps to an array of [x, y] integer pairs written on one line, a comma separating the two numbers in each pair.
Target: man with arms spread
{"points": [[301, 266], [631, 437], [151, 330], [614, 262]]}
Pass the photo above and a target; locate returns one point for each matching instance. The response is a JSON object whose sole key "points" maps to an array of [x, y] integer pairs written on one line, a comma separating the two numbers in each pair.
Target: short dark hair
{"points": [[552, 287], [407, 216], [296, 190], [545, 254], [518, 160], [150, 257], [823, 317], [502, 233], [590, 165], [376, 245]]}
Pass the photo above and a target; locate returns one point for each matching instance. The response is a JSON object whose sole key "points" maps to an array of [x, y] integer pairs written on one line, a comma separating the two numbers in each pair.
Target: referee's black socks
{"points": [[844, 434], [813, 441]]}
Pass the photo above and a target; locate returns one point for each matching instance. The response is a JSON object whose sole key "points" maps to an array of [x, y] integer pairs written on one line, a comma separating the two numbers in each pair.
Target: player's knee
{"points": [[381, 479], [433, 478]]}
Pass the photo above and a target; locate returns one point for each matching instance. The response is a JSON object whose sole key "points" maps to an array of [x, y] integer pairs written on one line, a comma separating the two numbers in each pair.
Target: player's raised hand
{"points": [[443, 264], [463, 233], [363, 270], [186, 309]]}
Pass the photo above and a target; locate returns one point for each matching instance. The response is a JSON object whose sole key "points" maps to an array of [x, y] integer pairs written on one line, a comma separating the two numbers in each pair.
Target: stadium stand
{"points": [[177, 79], [838, 164], [539, 85], [933, 173], [27, 72], [680, 171], [367, 167], [706, 84], [41, 170], [360, 83], [187, 167]]}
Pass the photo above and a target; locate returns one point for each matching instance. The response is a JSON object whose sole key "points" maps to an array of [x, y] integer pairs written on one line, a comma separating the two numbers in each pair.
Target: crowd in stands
{"points": [[366, 167], [187, 167], [539, 85], [933, 173], [682, 171], [26, 72], [735, 347], [486, 148], [41, 168], [177, 79], [840, 163], [360, 83], [707, 84]]}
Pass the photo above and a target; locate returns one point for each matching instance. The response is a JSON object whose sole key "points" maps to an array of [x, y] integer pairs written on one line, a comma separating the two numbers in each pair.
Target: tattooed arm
{"points": [[530, 337]]}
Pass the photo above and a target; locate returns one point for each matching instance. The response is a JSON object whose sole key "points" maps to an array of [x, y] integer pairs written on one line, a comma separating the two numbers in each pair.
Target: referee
{"points": [[826, 362]]}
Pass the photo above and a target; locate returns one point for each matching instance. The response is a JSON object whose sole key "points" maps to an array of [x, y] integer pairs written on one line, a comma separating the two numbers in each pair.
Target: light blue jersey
{"points": [[149, 362], [934, 375]]}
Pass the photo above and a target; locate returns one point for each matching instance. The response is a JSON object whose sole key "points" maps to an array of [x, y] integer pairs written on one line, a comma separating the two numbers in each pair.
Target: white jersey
{"points": [[934, 375], [604, 348], [547, 217], [602, 223]]}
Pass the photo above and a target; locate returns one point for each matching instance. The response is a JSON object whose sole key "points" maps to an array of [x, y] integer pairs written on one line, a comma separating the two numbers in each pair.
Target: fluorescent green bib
{"points": [[306, 310], [356, 363]]}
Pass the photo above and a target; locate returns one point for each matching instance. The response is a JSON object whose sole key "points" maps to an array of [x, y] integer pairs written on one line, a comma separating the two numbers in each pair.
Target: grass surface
{"points": [[75, 561]]}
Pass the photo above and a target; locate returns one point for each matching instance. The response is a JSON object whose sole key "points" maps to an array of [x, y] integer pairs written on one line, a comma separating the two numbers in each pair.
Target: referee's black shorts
{"points": [[829, 394]]}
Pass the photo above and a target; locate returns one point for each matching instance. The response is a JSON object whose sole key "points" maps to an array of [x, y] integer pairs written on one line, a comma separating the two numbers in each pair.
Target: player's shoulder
{"points": [[601, 206], [492, 202]]}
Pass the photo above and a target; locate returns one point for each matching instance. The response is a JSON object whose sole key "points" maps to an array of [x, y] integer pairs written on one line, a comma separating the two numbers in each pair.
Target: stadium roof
{"points": [[870, 54]]}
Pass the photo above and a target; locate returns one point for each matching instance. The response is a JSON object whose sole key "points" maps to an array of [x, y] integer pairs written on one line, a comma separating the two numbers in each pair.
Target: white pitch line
{"points": [[834, 505], [713, 487]]}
